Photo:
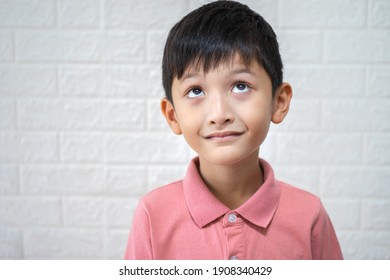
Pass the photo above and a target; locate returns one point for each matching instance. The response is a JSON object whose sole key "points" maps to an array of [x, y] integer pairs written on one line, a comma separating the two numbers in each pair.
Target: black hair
{"points": [[214, 33]]}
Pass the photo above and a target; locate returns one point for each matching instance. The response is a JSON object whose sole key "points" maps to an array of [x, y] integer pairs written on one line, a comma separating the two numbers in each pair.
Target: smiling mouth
{"points": [[224, 135]]}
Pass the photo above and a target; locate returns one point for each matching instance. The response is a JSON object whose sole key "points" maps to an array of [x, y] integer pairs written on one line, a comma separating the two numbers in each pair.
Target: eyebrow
{"points": [[189, 76], [244, 70]]}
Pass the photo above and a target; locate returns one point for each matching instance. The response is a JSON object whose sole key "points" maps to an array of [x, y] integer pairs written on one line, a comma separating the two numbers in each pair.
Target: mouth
{"points": [[224, 135]]}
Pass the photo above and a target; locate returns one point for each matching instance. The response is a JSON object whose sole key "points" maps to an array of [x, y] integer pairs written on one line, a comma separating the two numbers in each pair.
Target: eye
{"points": [[240, 88], [195, 92]]}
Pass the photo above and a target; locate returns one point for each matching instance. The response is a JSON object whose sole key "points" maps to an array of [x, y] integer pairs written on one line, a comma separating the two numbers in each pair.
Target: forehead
{"points": [[234, 63]]}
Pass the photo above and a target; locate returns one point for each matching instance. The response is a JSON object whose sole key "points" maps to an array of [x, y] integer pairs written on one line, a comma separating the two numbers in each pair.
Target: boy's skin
{"points": [[224, 115]]}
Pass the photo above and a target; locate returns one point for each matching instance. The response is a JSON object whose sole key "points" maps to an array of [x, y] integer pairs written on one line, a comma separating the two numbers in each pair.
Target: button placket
{"points": [[234, 228]]}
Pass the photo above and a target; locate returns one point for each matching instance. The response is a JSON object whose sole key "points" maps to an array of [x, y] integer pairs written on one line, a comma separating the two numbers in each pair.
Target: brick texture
{"points": [[82, 137]]}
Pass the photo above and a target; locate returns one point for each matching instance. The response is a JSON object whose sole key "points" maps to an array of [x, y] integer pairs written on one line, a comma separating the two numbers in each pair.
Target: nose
{"points": [[220, 111]]}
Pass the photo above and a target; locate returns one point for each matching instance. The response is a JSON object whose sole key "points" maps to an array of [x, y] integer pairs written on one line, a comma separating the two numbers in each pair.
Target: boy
{"points": [[222, 75]]}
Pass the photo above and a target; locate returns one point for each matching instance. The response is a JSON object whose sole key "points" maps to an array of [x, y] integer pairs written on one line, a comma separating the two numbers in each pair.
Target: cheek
{"points": [[258, 120], [259, 125], [189, 121], [256, 112]]}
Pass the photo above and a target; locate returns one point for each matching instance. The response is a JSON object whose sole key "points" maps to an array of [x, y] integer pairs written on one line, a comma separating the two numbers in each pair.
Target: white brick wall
{"points": [[82, 138]]}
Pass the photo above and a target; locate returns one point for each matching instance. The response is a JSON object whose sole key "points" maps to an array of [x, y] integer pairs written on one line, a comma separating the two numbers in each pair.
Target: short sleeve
{"points": [[324, 242], [139, 243]]}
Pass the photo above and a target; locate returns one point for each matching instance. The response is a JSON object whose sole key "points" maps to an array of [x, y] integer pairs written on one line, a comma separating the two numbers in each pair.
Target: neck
{"points": [[232, 184]]}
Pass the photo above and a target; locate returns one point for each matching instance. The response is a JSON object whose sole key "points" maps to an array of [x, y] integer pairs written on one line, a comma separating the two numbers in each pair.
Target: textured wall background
{"points": [[82, 137]]}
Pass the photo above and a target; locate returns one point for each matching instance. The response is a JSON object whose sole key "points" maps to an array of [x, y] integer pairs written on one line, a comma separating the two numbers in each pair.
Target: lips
{"points": [[221, 135]]}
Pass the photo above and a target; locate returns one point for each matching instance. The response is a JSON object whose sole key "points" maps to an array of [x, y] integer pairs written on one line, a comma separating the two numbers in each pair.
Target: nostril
{"points": [[222, 122]]}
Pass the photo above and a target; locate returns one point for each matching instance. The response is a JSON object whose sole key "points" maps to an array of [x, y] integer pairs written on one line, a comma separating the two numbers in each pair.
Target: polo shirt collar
{"points": [[204, 207]]}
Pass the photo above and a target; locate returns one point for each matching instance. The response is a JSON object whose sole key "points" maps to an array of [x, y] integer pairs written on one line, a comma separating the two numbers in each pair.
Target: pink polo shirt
{"points": [[184, 220]]}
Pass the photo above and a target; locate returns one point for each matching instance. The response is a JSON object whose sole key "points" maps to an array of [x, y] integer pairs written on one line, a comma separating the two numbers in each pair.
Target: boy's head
{"points": [[215, 33], [222, 74]]}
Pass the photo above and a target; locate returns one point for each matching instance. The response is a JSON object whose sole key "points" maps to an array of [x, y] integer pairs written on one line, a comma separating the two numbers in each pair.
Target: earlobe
{"points": [[169, 113], [282, 100]]}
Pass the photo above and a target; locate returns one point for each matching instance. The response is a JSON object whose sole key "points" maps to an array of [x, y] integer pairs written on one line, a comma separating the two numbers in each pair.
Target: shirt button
{"points": [[232, 218], [233, 258]]}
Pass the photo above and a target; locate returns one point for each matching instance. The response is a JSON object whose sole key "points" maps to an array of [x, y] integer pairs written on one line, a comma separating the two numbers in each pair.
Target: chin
{"points": [[226, 158]]}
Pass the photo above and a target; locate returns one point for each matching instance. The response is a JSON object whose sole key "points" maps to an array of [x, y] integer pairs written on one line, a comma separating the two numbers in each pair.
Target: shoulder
{"points": [[163, 197], [299, 201], [303, 212], [293, 194]]}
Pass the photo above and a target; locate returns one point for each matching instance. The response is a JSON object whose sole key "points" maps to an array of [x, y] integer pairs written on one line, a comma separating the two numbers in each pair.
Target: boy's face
{"points": [[225, 114]]}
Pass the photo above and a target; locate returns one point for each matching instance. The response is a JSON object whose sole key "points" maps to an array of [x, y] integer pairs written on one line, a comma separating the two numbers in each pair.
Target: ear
{"points": [[169, 113], [282, 100]]}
